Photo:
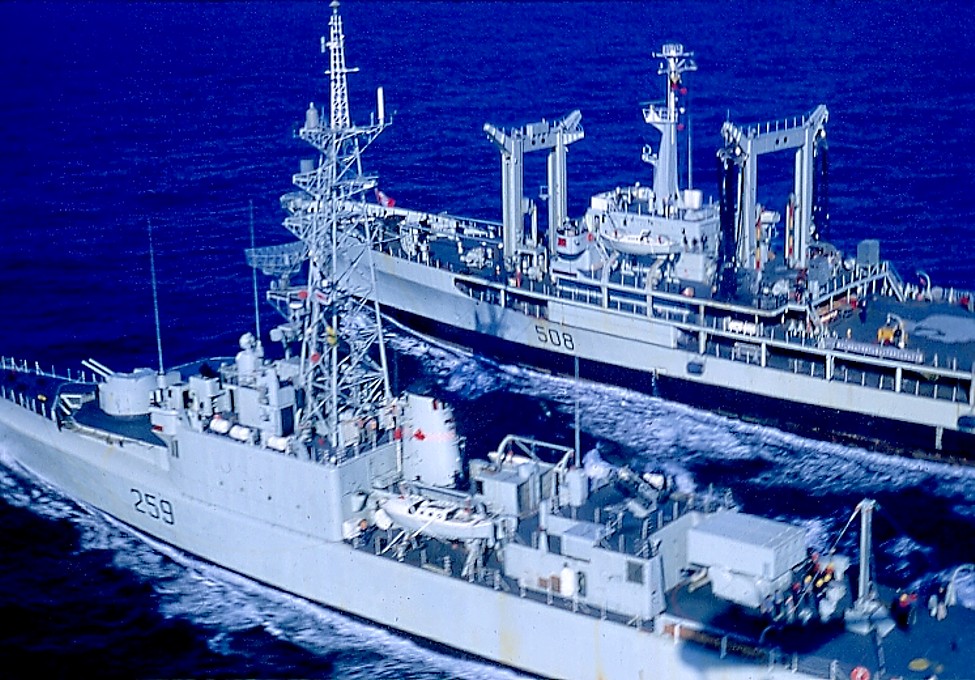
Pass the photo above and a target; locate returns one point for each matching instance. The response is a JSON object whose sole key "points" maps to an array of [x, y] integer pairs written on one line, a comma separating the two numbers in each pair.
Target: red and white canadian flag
{"points": [[384, 200]]}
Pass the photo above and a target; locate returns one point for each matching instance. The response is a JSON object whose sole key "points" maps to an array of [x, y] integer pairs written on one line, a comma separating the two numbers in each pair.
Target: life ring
{"points": [[860, 673]]}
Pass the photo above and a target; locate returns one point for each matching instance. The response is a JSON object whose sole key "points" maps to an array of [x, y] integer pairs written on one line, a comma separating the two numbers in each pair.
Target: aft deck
{"points": [[694, 615]]}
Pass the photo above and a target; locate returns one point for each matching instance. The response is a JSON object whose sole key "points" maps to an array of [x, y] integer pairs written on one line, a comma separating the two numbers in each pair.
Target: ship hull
{"points": [[644, 354], [873, 432], [248, 537]]}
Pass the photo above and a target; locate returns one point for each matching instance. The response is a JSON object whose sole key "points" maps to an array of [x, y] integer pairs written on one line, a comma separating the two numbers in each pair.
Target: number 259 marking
{"points": [[152, 505], [555, 338]]}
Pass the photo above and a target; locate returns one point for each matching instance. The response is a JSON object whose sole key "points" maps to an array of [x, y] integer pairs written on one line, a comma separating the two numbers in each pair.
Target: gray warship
{"points": [[306, 473], [726, 304]]}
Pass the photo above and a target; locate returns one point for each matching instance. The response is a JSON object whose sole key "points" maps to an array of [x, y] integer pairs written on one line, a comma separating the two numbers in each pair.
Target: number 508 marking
{"points": [[555, 338]]}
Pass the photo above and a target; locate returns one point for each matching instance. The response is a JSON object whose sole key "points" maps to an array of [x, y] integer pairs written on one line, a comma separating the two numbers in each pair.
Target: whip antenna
{"points": [[155, 295], [575, 399], [257, 311]]}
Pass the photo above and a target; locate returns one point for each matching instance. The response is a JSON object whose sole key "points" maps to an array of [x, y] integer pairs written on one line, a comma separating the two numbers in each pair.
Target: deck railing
{"points": [[34, 400], [23, 366], [875, 372]]}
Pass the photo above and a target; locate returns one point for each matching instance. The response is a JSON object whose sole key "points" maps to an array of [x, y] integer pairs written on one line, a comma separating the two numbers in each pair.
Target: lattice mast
{"points": [[339, 100], [343, 363]]}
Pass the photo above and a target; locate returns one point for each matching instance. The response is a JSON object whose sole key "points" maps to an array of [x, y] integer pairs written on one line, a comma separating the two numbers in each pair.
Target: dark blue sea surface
{"points": [[180, 114]]}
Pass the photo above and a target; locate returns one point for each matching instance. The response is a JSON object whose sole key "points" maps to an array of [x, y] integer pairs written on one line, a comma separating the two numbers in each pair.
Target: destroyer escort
{"points": [[725, 304], [306, 473]]}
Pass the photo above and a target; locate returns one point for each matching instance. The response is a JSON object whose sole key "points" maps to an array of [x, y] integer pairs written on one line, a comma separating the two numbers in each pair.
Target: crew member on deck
{"points": [[902, 609]]}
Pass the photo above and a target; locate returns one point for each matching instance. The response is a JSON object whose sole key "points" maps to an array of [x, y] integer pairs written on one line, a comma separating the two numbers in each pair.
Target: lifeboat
{"points": [[643, 243], [438, 519]]}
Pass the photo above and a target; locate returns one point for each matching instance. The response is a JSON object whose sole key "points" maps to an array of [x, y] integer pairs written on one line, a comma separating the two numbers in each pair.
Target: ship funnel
{"points": [[431, 448]]}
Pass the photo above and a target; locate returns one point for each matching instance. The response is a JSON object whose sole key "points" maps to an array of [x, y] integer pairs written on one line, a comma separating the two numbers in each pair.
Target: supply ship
{"points": [[724, 304], [306, 473]]}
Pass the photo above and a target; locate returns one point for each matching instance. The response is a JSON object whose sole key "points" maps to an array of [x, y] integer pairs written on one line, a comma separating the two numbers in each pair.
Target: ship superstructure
{"points": [[304, 472], [667, 232], [728, 305]]}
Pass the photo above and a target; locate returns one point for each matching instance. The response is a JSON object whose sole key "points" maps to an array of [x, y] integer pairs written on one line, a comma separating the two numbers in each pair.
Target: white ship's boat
{"points": [[643, 243], [438, 518], [290, 471]]}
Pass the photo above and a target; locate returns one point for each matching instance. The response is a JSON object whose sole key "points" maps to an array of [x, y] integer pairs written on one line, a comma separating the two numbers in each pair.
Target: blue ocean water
{"points": [[182, 113]]}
